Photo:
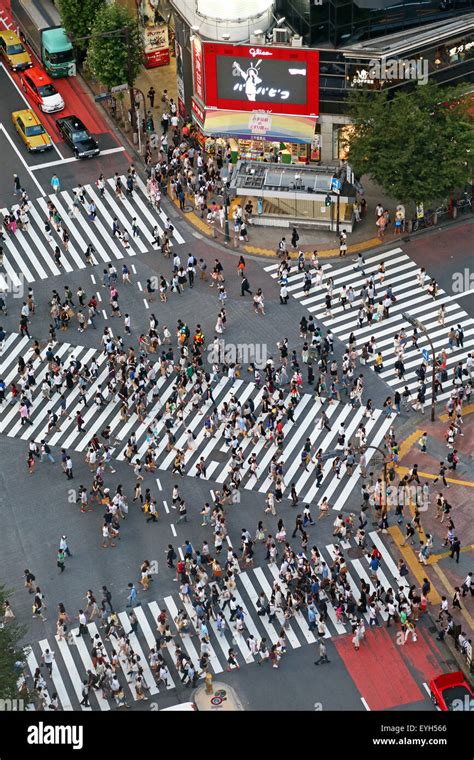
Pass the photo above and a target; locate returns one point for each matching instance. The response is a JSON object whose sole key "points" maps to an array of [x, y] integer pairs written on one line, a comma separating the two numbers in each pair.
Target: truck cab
{"points": [[57, 53], [40, 26]]}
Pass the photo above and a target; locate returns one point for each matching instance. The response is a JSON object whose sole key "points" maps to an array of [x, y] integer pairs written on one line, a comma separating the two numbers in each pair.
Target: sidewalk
{"points": [[443, 571]]}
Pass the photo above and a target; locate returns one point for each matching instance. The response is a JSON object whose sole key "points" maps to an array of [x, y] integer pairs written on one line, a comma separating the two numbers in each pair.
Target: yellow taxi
{"points": [[13, 51], [31, 130]]}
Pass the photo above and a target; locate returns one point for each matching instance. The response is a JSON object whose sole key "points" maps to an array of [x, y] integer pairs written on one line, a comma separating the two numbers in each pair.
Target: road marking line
{"points": [[365, 704], [71, 159], [173, 530], [431, 476], [408, 554], [442, 555], [104, 313], [93, 279], [28, 169], [426, 688], [181, 555], [167, 509], [158, 483], [449, 588]]}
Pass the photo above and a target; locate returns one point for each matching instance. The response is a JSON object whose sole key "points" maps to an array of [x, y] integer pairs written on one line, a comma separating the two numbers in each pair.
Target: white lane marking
{"points": [[28, 169], [173, 530], [72, 158], [365, 704]]}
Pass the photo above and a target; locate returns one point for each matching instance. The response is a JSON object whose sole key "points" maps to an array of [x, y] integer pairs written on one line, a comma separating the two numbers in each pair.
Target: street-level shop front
{"points": [[258, 136]]}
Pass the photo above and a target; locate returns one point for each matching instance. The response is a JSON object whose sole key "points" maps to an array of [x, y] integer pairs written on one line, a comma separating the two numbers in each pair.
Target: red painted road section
{"points": [[423, 657], [379, 671], [77, 100]]}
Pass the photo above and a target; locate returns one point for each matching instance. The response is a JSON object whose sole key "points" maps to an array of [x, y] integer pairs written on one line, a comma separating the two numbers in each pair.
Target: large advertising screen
{"points": [[251, 78]]}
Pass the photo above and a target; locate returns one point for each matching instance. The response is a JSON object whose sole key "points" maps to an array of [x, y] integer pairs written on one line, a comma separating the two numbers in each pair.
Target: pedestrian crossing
{"points": [[401, 273], [214, 449], [29, 254], [73, 659]]}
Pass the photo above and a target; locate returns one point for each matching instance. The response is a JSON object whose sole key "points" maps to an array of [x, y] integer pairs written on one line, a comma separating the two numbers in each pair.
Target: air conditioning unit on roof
{"points": [[296, 41], [281, 35]]}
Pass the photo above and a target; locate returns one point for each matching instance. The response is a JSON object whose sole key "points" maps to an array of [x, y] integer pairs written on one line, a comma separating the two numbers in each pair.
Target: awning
{"points": [[260, 126]]}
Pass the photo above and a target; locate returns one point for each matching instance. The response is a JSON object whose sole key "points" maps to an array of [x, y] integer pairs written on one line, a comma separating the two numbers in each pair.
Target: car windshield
{"points": [[63, 57], [80, 136], [15, 49], [36, 129], [47, 90]]}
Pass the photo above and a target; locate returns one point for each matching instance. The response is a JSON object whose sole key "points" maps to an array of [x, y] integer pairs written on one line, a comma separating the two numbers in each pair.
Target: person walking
{"points": [[55, 184], [455, 549], [323, 657]]}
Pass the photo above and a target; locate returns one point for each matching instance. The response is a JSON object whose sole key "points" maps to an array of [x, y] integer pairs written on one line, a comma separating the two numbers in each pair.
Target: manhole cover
{"points": [[355, 552]]}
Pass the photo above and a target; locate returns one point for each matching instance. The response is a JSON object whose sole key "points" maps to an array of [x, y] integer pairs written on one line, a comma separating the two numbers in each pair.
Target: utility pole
{"points": [[131, 91]]}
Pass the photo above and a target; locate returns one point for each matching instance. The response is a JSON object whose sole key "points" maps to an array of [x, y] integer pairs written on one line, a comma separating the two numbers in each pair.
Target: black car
{"points": [[78, 137]]}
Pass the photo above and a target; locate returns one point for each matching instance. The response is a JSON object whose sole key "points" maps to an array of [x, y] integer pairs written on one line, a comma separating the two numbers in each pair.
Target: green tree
{"points": [[107, 57], [78, 17], [414, 144], [10, 652]]}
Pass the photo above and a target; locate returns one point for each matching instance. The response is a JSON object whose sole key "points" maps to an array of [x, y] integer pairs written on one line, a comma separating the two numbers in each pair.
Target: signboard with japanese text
{"points": [[156, 46], [282, 80], [260, 123]]}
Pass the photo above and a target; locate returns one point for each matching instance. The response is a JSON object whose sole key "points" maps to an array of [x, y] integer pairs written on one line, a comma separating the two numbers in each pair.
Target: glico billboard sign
{"points": [[282, 80]]}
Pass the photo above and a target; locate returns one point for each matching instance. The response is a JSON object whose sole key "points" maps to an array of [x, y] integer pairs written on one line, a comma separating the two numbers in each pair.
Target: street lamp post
{"points": [[416, 323], [385, 470], [226, 215]]}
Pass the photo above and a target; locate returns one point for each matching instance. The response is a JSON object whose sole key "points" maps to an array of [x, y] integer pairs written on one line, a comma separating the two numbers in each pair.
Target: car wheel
{"points": [[76, 153]]}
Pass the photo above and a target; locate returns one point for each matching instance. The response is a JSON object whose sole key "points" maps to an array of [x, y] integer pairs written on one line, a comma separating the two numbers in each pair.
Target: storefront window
{"points": [[340, 135]]}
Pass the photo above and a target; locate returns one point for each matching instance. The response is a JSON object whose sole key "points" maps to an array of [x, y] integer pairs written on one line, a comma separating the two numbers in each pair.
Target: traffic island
{"points": [[217, 696]]}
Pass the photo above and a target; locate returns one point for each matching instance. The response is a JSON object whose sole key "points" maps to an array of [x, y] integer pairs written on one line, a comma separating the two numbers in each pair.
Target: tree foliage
{"points": [[416, 145], [10, 652], [78, 17], [107, 56]]}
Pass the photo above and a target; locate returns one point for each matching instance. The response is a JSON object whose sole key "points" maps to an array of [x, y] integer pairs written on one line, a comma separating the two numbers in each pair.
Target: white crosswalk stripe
{"points": [[401, 273], [29, 254], [72, 661], [216, 456]]}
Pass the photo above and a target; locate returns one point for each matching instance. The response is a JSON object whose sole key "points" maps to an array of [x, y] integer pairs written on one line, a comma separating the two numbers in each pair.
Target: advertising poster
{"points": [[198, 74], [180, 78], [250, 78], [156, 44]]}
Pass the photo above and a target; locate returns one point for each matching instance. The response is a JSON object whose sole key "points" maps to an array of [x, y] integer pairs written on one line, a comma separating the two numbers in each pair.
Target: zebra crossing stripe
{"points": [[176, 233], [260, 575], [352, 482], [155, 611], [149, 678], [185, 638], [89, 234], [47, 256], [58, 682], [76, 681], [33, 666], [87, 662], [393, 569], [150, 638]]}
